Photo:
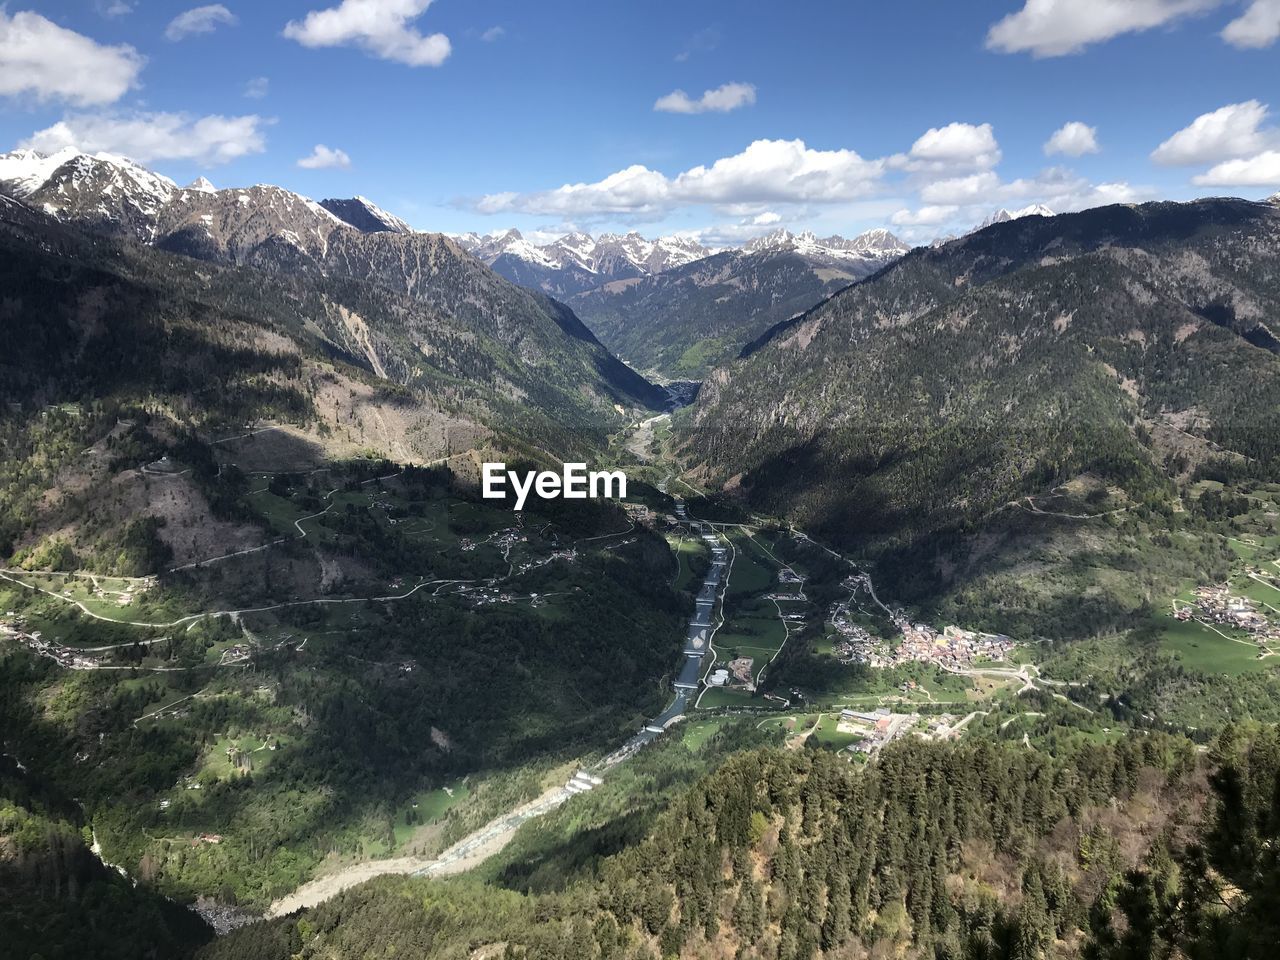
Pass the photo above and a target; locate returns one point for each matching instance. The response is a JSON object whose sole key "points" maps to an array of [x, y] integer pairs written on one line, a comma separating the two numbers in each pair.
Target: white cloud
{"points": [[722, 99], [1053, 28], [1257, 27], [959, 203], [379, 27], [786, 170], [1231, 131], [113, 8], [257, 88], [925, 216], [148, 137], [49, 62], [1073, 139], [1262, 170], [199, 20], [766, 219], [493, 33], [767, 171], [949, 149], [957, 142], [957, 190], [324, 158]]}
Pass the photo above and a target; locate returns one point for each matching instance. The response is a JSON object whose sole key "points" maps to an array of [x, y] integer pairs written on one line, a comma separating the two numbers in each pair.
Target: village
{"points": [[951, 647], [14, 628], [1218, 606]]}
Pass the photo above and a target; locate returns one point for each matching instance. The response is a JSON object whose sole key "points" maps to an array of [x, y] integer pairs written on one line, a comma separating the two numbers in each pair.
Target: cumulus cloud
{"points": [[959, 203], [324, 158], [929, 216], [381, 28], [257, 88], [958, 190], [1053, 28], [957, 142], [1257, 27], [1228, 132], [767, 171], [722, 99], [1262, 170], [148, 137], [949, 149], [1073, 139], [41, 59], [199, 20]]}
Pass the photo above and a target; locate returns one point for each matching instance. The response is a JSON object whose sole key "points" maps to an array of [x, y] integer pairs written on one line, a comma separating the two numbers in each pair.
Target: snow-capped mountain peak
{"points": [[101, 188], [609, 256], [580, 261], [878, 244], [365, 215], [201, 185], [23, 172], [1004, 216]]}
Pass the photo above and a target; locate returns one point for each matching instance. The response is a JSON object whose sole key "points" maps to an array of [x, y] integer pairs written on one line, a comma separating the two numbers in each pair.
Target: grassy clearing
{"points": [[830, 737], [697, 732], [720, 697], [751, 635], [427, 808], [280, 512], [219, 762], [753, 572], [686, 548], [1199, 648]]}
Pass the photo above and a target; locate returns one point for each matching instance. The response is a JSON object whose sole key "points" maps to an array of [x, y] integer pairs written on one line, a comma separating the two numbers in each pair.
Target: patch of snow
{"points": [[23, 172]]}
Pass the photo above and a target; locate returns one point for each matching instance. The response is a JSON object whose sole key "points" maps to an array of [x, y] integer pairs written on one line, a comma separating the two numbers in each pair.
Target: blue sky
{"points": [[473, 115]]}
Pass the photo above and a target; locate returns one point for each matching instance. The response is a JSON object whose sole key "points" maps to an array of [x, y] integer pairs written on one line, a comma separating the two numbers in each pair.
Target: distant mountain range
{"points": [[875, 246], [683, 321], [674, 307], [578, 261]]}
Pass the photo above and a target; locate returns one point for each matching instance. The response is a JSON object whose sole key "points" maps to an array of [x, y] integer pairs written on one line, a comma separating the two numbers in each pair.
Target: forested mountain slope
{"points": [[957, 851], [404, 304], [449, 355], [58, 900], [1123, 344]]}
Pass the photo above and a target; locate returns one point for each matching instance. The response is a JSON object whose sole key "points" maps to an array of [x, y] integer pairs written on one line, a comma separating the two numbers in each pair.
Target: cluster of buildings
{"points": [[920, 643], [953, 647], [484, 596], [68, 657], [854, 642], [875, 729], [1216, 605], [236, 653], [736, 673]]}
